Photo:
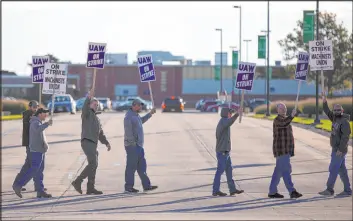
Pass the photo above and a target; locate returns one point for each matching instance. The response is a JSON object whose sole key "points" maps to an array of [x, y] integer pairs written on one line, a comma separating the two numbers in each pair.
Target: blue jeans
{"points": [[338, 166], [224, 163], [25, 166], [35, 171], [135, 160], [283, 169]]}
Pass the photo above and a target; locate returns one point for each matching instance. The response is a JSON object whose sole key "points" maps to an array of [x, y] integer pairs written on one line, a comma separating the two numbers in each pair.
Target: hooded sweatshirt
{"points": [[340, 130], [26, 116], [133, 128], [223, 141], [37, 139]]}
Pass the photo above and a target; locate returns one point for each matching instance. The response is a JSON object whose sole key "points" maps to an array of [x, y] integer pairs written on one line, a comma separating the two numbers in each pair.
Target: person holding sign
{"points": [[133, 142], [38, 147], [283, 150], [339, 143], [92, 132], [223, 147]]}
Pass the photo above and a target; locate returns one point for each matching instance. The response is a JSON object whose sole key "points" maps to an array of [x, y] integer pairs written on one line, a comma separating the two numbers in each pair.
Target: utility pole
{"points": [[268, 59], [240, 41], [221, 77]]}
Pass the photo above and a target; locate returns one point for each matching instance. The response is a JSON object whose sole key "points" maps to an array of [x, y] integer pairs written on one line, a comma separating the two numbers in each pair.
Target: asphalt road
{"points": [[181, 160]]}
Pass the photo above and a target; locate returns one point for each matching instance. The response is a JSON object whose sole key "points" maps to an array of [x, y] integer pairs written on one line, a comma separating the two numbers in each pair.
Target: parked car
{"points": [[125, 105], [208, 103], [63, 103], [172, 104], [253, 103], [107, 103], [215, 108]]}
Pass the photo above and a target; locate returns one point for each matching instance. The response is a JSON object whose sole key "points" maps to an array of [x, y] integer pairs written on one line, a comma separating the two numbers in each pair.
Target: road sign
{"points": [[261, 45], [308, 26], [235, 60], [321, 55]]}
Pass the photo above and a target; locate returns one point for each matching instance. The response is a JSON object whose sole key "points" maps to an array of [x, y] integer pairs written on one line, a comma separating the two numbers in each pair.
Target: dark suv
{"points": [[173, 104]]}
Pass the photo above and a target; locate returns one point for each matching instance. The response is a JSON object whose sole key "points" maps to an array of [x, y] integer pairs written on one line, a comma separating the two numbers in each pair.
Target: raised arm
{"points": [[282, 122], [146, 117], [327, 110], [85, 108], [38, 127], [226, 122], [345, 132]]}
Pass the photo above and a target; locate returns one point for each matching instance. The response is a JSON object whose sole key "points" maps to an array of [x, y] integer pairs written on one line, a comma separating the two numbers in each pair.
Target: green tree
{"points": [[329, 29]]}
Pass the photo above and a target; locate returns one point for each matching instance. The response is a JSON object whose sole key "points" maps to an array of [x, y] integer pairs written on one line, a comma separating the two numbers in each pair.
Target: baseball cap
{"points": [[33, 103], [136, 102], [40, 111]]}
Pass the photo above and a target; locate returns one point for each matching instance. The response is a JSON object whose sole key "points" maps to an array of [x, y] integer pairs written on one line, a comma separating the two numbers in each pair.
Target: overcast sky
{"points": [[183, 28]]}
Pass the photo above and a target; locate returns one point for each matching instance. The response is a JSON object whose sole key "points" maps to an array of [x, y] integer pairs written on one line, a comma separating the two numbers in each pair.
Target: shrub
{"points": [[15, 107], [290, 106]]}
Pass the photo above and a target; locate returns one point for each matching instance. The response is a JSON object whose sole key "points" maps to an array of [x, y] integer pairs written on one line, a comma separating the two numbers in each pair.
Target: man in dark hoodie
{"points": [[38, 146], [135, 154], [283, 150], [223, 147], [339, 142], [26, 116], [92, 132]]}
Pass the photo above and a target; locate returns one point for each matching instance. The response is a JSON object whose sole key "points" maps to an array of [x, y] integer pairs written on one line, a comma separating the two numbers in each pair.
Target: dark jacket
{"points": [[26, 117], [283, 139], [91, 126], [133, 128], [223, 140], [340, 130]]}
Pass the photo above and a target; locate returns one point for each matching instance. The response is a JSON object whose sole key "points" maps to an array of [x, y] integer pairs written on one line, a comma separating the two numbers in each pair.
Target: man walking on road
{"points": [[92, 132], [339, 142], [26, 116], [283, 150], [135, 154], [223, 147], [38, 147]]}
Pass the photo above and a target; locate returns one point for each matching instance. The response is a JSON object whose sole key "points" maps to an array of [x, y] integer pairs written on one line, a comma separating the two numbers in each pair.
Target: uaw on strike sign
{"points": [[38, 68], [245, 76], [96, 55], [146, 68], [54, 79], [321, 55], [302, 67]]}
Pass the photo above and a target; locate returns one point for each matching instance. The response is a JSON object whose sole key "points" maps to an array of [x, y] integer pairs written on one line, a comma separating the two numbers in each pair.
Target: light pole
{"points": [[220, 30], [266, 63], [268, 59], [233, 80], [239, 7], [317, 119], [247, 51]]}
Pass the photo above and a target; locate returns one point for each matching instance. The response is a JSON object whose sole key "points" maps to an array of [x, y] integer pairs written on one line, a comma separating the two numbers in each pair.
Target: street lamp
{"points": [[268, 59], [266, 63], [220, 30], [247, 51], [239, 7]]}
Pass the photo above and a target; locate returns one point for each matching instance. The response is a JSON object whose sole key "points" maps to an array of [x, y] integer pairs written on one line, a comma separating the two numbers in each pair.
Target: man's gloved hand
{"points": [[153, 111]]}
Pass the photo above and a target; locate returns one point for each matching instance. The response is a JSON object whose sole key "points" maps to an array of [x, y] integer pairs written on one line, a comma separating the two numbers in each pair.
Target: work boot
{"points": [[131, 190], [17, 190], [344, 194], [295, 195], [150, 188], [93, 191], [326, 193], [43, 195], [77, 185], [219, 193], [276, 195], [236, 192]]}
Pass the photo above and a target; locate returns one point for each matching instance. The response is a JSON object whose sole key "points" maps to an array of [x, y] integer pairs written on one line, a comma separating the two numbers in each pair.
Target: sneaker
{"points": [[17, 190], [132, 190], [150, 188], [344, 194], [77, 185], [276, 195], [219, 193], [295, 195], [326, 193], [236, 192], [43, 195], [93, 192]]}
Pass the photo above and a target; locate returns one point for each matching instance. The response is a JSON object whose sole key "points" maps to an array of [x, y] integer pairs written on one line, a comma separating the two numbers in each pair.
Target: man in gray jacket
{"points": [[339, 143], [91, 132], [133, 141], [38, 146], [223, 147]]}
